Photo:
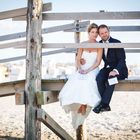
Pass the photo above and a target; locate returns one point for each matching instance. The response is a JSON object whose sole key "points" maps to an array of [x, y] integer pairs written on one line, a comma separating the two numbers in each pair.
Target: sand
{"points": [[122, 123]]}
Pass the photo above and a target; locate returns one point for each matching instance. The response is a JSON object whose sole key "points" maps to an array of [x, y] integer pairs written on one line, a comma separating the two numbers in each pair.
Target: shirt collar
{"points": [[107, 41]]}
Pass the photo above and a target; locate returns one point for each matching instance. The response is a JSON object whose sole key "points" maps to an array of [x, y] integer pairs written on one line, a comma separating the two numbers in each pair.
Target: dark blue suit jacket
{"points": [[116, 59]]}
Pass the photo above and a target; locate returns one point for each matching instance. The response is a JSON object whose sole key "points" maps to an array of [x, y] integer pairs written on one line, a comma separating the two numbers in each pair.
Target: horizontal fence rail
{"points": [[21, 11], [70, 28], [112, 29], [88, 16], [124, 28], [70, 47], [66, 50], [22, 44], [91, 45], [17, 44], [10, 88]]}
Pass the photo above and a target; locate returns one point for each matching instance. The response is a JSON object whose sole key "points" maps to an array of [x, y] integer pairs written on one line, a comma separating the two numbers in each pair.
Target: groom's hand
{"points": [[113, 73], [82, 61]]}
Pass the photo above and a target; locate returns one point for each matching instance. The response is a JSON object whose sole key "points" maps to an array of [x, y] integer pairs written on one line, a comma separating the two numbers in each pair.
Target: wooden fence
{"points": [[33, 86]]}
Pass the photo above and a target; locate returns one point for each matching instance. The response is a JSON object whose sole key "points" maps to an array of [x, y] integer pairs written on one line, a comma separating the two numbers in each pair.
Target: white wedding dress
{"points": [[81, 89]]}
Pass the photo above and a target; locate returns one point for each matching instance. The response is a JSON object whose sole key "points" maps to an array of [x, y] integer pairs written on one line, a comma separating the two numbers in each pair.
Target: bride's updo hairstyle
{"points": [[91, 26]]}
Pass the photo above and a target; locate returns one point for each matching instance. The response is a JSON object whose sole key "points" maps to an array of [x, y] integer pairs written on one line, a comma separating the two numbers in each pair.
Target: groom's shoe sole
{"points": [[105, 109], [100, 108], [97, 109]]}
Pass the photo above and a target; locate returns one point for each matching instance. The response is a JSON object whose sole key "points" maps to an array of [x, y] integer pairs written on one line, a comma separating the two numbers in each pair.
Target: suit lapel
{"points": [[105, 57], [108, 52]]}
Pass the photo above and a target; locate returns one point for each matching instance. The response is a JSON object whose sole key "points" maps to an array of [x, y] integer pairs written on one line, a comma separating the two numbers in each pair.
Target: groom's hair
{"points": [[103, 26]]}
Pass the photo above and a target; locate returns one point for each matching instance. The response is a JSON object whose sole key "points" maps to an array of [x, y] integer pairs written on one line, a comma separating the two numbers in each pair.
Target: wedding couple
{"points": [[88, 87]]}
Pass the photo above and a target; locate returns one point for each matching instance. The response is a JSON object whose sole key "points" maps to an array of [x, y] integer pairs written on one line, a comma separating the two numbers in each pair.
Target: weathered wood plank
{"points": [[128, 85], [77, 33], [83, 24], [67, 50], [83, 29], [64, 27], [21, 44], [21, 11], [47, 7], [132, 50], [54, 126], [33, 69], [12, 59], [16, 44], [91, 45], [10, 138], [89, 16], [9, 88], [12, 36], [112, 29], [124, 28], [69, 28], [56, 86], [92, 15], [20, 97], [46, 97]]}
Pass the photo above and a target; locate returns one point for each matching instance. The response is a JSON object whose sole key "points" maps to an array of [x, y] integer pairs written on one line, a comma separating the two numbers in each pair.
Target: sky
{"points": [[78, 5], [8, 26]]}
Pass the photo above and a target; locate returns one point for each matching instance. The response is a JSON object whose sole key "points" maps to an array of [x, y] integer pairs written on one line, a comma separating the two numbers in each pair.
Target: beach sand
{"points": [[122, 123]]}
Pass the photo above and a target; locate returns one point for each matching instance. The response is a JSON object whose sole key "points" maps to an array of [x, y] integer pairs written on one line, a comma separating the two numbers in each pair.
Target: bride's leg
{"points": [[82, 109]]}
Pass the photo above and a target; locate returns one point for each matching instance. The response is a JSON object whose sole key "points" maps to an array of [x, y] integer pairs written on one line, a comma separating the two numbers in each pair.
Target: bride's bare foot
{"points": [[82, 109]]}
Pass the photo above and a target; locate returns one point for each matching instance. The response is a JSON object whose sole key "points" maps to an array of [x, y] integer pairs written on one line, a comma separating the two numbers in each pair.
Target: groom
{"points": [[114, 66]]}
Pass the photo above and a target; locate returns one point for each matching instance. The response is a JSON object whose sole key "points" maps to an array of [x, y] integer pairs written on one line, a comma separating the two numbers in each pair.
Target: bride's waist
{"points": [[86, 66]]}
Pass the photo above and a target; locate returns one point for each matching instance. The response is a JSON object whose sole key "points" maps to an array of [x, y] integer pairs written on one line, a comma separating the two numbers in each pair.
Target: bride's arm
{"points": [[78, 58], [98, 61]]}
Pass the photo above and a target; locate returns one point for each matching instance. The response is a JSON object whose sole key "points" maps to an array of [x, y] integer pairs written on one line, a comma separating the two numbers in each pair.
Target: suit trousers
{"points": [[104, 88]]}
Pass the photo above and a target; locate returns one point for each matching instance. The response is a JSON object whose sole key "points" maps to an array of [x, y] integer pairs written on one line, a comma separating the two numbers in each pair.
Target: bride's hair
{"points": [[91, 26]]}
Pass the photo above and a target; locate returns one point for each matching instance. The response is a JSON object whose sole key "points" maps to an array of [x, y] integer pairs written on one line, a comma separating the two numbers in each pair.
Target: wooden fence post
{"points": [[33, 69], [77, 33]]}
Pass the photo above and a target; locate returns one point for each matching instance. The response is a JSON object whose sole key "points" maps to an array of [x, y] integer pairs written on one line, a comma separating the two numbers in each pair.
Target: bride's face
{"points": [[93, 34]]}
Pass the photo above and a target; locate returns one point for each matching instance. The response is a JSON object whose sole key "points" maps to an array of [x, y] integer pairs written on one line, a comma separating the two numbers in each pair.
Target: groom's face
{"points": [[104, 34]]}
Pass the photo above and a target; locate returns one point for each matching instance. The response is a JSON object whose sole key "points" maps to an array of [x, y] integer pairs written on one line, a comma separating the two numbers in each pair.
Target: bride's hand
{"points": [[83, 71]]}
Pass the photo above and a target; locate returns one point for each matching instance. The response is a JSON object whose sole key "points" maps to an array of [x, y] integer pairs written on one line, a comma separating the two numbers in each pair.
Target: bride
{"points": [[80, 94]]}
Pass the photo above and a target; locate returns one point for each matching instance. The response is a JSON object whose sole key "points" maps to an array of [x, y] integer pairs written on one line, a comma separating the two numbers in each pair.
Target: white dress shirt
{"points": [[105, 52], [105, 49]]}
